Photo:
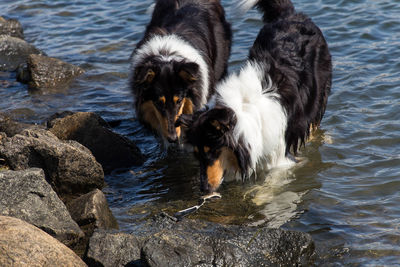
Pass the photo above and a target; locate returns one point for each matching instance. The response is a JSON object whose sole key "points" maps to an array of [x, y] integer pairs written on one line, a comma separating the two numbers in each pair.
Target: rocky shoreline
{"points": [[52, 209]]}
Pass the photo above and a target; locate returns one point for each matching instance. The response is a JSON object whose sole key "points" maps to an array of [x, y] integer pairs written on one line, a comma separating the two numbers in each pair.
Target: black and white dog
{"points": [[176, 65], [262, 114]]}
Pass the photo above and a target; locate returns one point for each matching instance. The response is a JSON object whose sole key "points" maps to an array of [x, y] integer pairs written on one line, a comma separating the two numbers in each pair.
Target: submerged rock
{"points": [[111, 150], [11, 27], [69, 167], [164, 241], [26, 195], [15, 51], [22, 244], [46, 73]]}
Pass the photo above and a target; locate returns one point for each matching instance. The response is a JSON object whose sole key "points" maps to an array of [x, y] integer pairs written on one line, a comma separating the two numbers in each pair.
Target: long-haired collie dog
{"points": [[176, 65], [262, 114]]}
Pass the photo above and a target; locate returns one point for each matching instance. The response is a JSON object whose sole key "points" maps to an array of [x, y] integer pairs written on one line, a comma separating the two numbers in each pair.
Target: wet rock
{"points": [[113, 249], [91, 212], [92, 209], [11, 127], [47, 73], [22, 244], [110, 149], [14, 51], [26, 195], [70, 168], [11, 27], [163, 241]]}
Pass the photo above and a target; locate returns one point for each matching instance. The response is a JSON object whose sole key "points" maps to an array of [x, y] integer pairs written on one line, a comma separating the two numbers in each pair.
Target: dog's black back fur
{"points": [[297, 55], [201, 23]]}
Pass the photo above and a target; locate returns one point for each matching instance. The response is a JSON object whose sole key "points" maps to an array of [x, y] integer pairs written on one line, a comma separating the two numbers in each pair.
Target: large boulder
{"points": [[164, 241], [70, 168], [14, 52], [47, 73], [111, 150], [22, 244], [11, 27], [26, 195]]}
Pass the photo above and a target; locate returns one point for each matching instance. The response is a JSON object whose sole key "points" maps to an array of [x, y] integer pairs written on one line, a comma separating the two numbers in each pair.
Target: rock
{"points": [[91, 212], [11, 128], [26, 195], [113, 249], [14, 51], [70, 168], [22, 244], [48, 73], [163, 241], [92, 209], [110, 149], [11, 27]]}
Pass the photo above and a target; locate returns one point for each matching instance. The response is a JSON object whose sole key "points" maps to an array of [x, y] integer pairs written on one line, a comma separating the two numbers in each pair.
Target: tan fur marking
{"points": [[153, 117], [187, 76], [187, 106], [176, 98], [162, 99], [206, 149], [229, 159], [196, 149], [216, 124], [149, 76], [178, 129], [214, 174]]}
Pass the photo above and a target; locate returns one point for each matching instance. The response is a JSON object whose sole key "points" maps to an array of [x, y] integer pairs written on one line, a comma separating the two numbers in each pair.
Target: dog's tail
{"points": [[272, 9]]}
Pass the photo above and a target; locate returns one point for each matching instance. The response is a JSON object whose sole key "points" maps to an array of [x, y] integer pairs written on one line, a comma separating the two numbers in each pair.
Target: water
{"points": [[346, 191]]}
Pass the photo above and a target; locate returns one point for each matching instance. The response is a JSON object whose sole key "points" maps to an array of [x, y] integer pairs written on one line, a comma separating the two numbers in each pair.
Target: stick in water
{"points": [[203, 200]]}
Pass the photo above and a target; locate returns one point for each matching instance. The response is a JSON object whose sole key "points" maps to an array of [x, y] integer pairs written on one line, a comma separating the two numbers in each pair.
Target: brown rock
{"points": [[50, 73], [110, 149], [22, 244]]}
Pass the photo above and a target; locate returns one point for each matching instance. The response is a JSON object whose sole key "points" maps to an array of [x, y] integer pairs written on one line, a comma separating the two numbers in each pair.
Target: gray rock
{"points": [[110, 149], [92, 209], [70, 168], [26, 195], [14, 51], [91, 212], [22, 244], [11, 127], [47, 73], [11, 27], [163, 241], [112, 249]]}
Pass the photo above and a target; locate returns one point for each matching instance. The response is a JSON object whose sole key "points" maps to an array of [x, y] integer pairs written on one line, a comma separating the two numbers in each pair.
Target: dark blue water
{"points": [[346, 192]]}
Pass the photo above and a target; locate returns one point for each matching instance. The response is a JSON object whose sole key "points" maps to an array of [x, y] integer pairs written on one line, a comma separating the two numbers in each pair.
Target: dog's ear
{"points": [[184, 120], [221, 121], [188, 72], [144, 74]]}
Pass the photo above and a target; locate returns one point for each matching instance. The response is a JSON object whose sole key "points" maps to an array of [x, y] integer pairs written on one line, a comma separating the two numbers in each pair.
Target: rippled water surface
{"points": [[345, 192]]}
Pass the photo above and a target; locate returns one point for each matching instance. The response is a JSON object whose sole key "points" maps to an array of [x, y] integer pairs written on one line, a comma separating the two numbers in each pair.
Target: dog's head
{"points": [[210, 133], [164, 91]]}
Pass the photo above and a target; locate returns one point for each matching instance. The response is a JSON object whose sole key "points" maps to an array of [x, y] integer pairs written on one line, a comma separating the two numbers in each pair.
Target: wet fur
{"points": [[176, 65], [265, 112]]}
